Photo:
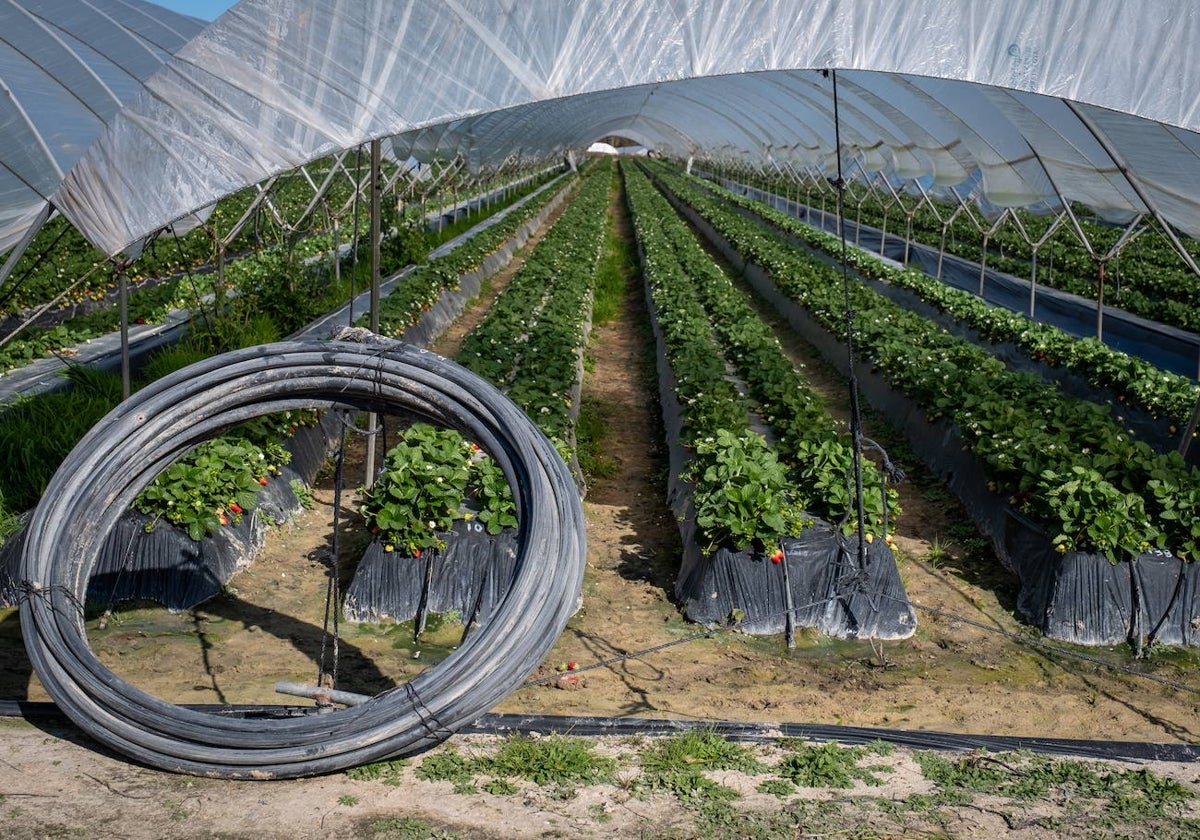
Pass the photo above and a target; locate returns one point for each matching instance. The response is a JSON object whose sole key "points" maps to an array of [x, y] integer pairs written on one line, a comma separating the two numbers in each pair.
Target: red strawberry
{"points": [[263, 480], [777, 557], [235, 507]]}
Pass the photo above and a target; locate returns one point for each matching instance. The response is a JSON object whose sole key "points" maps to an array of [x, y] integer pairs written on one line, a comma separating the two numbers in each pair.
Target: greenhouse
{"points": [[476, 347]]}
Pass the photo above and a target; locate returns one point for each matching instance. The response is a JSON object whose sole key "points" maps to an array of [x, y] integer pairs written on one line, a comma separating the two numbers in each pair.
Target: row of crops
{"points": [[754, 483], [763, 455], [215, 485], [1133, 382], [270, 261], [530, 345], [1147, 277], [1063, 462]]}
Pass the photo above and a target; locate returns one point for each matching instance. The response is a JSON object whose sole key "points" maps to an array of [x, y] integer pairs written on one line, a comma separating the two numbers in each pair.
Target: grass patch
{"points": [[39, 431], [408, 828], [830, 765], [618, 263], [678, 764], [555, 760], [591, 431], [558, 762], [388, 772], [1027, 776]]}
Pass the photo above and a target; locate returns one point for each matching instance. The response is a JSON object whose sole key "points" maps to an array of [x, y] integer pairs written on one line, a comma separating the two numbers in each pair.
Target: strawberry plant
{"points": [[743, 495], [429, 479], [219, 481], [422, 287], [531, 341], [710, 328]]}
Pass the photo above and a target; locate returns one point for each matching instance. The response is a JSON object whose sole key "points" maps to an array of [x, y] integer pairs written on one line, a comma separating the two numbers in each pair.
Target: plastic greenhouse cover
{"points": [[275, 83], [66, 67]]}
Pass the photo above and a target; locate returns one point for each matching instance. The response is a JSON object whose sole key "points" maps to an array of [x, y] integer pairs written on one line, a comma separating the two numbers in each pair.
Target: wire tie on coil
{"points": [[429, 720]]}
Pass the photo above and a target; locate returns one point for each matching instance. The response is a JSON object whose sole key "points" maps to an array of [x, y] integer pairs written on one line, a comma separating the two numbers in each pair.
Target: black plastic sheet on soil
{"points": [[820, 582], [163, 564], [469, 577]]}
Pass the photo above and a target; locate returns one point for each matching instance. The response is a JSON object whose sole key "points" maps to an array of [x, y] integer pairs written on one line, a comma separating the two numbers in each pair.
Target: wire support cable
{"points": [[129, 447]]}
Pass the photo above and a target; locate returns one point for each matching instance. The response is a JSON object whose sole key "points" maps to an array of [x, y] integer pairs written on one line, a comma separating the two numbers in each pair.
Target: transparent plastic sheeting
{"points": [[968, 91], [66, 67]]}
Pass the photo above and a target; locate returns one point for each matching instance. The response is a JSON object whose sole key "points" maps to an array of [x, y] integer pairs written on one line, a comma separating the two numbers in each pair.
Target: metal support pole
{"points": [[372, 419], [983, 261], [123, 298]]}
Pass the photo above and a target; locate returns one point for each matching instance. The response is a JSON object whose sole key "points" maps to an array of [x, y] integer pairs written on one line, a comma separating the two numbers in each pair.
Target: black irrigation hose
{"points": [[594, 727], [127, 449]]}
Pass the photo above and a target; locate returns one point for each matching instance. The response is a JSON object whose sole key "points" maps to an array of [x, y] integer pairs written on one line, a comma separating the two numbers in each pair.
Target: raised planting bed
{"points": [[138, 563], [1148, 279], [444, 525], [437, 490], [752, 456], [146, 557], [1169, 343], [425, 299], [1018, 454]]}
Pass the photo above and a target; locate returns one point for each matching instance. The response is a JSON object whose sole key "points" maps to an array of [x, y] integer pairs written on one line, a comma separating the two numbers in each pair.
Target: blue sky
{"points": [[203, 9]]}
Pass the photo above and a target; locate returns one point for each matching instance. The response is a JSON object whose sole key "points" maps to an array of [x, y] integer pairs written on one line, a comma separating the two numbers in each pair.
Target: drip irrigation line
{"points": [[362, 372], [597, 727], [856, 581], [501, 724], [494, 724]]}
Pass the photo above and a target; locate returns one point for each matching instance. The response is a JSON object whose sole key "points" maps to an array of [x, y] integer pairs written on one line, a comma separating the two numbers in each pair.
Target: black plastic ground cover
{"points": [[1164, 346], [470, 575], [820, 583], [598, 727], [1074, 597], [468, 578], [127, 449], [166, 565]]}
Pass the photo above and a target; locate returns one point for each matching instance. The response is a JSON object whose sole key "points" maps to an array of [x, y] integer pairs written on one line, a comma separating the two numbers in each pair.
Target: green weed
{"points": [[831, 765], [555, 760], [388, 772], [408, 828]]}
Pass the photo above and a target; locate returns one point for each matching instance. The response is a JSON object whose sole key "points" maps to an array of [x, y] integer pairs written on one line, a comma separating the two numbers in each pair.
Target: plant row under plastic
{"points": [[214, 485], [280, 270], [1063, 462], [530, 345], [754, 483], [1135, 382], [1148, 278]]}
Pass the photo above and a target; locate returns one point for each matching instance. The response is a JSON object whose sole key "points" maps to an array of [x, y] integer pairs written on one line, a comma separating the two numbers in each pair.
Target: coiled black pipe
{"points": [[127, 449]]}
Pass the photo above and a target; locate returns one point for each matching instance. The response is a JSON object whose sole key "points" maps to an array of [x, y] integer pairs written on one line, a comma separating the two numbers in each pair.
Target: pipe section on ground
{"points": [[147, 433]]}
